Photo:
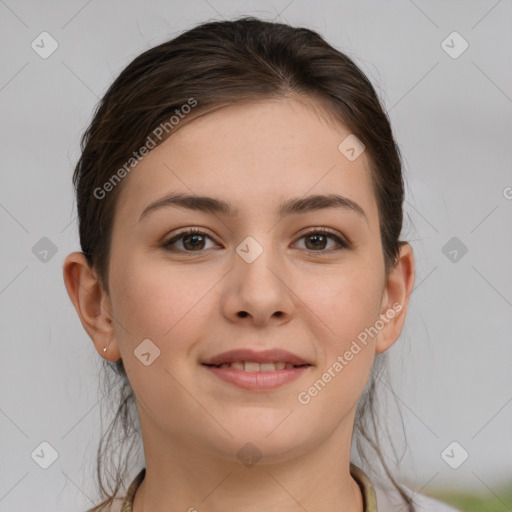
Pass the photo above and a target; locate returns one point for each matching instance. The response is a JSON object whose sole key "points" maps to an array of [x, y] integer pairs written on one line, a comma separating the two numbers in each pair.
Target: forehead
{"points": [[256, 153]]}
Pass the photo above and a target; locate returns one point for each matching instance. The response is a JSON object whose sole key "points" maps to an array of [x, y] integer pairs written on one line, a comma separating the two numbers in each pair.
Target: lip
{"points": [[257, 381], [265, 356]]}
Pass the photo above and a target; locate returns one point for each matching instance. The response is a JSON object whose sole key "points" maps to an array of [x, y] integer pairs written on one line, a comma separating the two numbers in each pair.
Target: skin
{"points": [[193, 424]]}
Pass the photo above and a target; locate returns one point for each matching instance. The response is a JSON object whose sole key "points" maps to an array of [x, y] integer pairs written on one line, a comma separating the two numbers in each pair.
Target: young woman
{"points": [[240, 197]]}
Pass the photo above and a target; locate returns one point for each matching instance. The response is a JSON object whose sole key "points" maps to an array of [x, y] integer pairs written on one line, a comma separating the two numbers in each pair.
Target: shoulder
{"points": [[391, 501]]}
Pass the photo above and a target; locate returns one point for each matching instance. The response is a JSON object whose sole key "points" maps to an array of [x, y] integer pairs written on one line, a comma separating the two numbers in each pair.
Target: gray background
{"points": [[452, 119]]}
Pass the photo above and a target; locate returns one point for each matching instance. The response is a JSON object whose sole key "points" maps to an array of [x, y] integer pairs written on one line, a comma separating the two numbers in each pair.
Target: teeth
{"points": [[267, 367], [251, 366]]}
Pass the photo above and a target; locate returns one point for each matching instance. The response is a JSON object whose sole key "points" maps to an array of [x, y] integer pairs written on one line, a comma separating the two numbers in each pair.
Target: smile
{"points": [[251, 366], [253, 376]]}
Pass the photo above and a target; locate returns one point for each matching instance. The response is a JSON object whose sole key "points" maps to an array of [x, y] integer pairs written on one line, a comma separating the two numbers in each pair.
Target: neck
{"points": [[185, 477]]}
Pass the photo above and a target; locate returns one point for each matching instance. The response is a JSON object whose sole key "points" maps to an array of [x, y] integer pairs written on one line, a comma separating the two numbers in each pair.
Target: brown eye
{"points": [[316, 241], [192, 240]]}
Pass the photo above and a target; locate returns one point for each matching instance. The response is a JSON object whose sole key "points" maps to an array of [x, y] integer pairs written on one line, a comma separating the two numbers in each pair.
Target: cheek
{"points": [[158, 303], [347, 349], [347, 302], [345, 308], [164, 307]]}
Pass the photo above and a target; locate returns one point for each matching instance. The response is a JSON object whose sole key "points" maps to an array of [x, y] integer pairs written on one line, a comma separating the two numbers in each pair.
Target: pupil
{"points": [[193, 237], [317, 237]]}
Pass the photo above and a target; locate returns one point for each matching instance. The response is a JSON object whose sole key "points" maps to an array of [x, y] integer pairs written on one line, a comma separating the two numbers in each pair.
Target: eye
{"points": [[193, 240], [319, 237]]}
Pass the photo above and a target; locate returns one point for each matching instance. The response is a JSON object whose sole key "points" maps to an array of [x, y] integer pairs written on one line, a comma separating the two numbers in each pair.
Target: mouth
{"points": [[257, 371], [253, 366], [253, 361]]}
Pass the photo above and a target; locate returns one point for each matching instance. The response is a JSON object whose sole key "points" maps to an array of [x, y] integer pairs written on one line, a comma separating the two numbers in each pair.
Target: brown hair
{"points": [[216, 64]]}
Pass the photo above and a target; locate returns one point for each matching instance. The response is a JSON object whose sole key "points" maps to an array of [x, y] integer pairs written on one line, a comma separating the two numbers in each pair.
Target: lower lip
{"points": [[257, 380]]}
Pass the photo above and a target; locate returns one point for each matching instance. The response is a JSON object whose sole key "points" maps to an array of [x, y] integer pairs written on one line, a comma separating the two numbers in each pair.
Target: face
{"points": [[259, 280]]}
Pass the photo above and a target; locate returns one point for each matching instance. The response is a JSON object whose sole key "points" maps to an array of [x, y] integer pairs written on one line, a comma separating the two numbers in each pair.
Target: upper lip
{"points": [[265, 356]]}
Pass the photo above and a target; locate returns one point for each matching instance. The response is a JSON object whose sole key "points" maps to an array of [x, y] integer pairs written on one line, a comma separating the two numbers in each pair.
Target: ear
{"points": [[92, 304], [395, 298]]}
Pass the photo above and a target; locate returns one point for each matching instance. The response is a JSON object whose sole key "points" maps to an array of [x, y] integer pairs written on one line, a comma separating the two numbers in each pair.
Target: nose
{"points": [[257, 290]]}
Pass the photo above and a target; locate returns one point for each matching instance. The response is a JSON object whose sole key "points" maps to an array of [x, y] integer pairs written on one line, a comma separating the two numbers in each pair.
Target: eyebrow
{"points": [[218, 206]]}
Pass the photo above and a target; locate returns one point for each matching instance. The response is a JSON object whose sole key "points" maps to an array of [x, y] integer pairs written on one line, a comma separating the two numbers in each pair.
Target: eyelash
{"points": [[319, 231]]}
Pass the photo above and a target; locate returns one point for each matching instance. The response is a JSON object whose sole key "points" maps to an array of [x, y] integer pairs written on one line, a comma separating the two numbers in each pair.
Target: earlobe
{"points": [[92, 304], [396, 299]]}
